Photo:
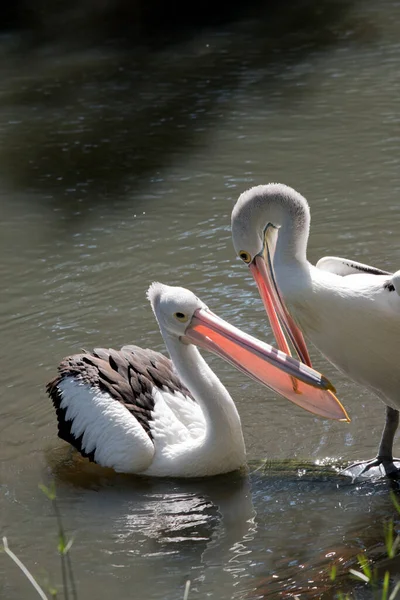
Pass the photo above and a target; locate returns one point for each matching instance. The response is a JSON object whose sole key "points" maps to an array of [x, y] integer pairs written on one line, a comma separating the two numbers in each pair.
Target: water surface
{"points": [[118, 168]]}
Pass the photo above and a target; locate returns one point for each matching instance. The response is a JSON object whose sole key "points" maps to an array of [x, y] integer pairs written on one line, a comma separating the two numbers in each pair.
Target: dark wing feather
{"points": [[128, 375]]}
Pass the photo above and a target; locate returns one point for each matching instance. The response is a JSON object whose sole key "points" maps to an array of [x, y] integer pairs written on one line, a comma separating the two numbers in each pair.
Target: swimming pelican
{"points": [[130, 410], [348, 310]]}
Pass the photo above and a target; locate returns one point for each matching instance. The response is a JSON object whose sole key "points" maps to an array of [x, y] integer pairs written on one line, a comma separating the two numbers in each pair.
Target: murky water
{"points": [[120, 168]]}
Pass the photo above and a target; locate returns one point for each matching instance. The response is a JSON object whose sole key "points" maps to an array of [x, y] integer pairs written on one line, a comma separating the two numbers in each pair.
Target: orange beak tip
{"points": [[345, 418]]}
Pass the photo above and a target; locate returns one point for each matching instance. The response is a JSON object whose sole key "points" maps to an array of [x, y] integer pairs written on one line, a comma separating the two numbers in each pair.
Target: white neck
{"points": [[292, 241], [223, 439], [292, 270]]}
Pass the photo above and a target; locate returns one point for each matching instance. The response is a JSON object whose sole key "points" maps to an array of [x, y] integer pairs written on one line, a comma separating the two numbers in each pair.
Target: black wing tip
{"points": [[64, 425], [389, 286]]}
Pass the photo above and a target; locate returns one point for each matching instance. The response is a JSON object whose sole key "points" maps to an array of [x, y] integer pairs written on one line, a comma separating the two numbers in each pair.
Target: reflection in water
{"points": [[227, 528], [119, 167], [159, 522]]}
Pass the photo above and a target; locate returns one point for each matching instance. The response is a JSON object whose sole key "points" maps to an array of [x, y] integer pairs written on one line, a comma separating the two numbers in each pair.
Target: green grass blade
{"points": [[66, 564], [389, 537], [50, 491], [364, 564], [385, 587], [395, 501]]}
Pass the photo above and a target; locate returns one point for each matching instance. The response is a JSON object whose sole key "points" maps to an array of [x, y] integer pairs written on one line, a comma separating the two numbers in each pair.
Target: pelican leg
{"points": [[384, 460], [389, 431]]}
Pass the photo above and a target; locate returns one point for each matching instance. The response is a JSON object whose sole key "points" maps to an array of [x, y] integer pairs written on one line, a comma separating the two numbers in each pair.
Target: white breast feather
{"points": [[167, 428], [174, 442], [187, 411]]}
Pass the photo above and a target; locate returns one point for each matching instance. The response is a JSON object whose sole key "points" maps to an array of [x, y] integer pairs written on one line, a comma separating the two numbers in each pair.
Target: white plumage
{"points": [[348, 310], [107, 427], [132, 411]]}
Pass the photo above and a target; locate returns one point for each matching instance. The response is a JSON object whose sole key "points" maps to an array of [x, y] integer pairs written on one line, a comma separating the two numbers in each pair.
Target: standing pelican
{"points": [[348, 310], [130, 410]]}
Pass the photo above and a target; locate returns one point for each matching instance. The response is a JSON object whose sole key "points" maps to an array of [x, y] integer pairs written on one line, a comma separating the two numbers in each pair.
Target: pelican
{"points": [[350, 311], [132, 411]]}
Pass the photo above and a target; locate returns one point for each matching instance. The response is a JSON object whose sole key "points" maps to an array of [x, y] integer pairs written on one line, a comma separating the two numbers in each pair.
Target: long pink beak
{"points": [[282, 373], [275, 308]]}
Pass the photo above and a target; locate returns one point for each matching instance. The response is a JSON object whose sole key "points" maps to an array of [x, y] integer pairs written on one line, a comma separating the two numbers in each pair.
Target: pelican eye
{"points": [[245, 256], [181, 317]]}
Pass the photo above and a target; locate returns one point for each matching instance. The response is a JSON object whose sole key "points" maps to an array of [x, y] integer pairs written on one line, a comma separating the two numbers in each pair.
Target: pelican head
{"points": [[261, 212], [185, 318], [267, 217], [173, 307]]}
